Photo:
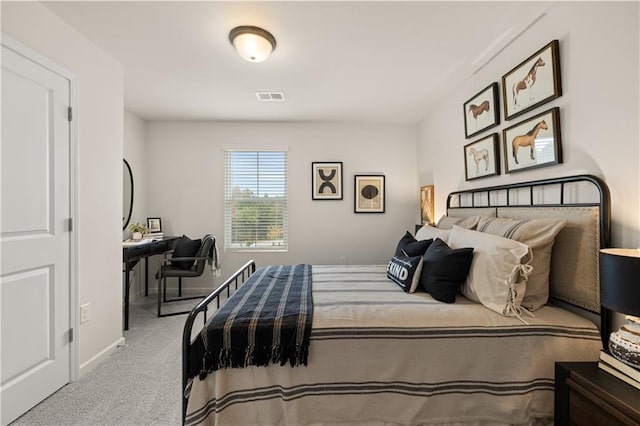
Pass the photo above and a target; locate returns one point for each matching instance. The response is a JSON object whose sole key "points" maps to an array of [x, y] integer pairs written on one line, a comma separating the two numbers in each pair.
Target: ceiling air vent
{"points": [[270, 96]]}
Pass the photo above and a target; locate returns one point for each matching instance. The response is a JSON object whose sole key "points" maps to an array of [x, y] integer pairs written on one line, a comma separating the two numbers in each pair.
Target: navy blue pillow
{"points": [[444, 269], [409, 246], [185, 247]]}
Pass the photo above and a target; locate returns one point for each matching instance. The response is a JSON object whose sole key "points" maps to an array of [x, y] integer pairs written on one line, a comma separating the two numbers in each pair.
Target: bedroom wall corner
{"points": [[100, 115], [135, 145], [135, 136]]}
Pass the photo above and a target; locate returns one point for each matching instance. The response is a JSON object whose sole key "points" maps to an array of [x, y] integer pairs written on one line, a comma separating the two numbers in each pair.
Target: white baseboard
{"points": [[96, 360]]}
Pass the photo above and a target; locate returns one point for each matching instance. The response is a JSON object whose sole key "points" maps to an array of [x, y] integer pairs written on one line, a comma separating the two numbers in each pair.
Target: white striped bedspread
{"points": [[381, 356]]}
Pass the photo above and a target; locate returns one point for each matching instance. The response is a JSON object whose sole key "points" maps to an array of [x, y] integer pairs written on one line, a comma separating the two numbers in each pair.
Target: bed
{"points": [[378, 355]]}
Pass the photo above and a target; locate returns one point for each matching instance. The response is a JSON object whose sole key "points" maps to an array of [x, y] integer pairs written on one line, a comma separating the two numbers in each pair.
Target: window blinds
{"points": [[255, 200]]}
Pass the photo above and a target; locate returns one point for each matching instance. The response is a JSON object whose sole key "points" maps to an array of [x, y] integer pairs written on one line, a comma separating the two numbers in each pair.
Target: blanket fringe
{"points": [[294, 355]]}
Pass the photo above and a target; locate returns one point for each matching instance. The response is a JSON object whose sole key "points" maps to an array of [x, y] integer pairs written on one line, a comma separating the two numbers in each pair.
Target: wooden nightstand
{"points": [[586, 395]]}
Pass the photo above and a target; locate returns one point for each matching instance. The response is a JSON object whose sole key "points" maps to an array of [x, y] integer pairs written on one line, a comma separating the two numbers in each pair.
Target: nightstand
{"points": [[586, 395]]}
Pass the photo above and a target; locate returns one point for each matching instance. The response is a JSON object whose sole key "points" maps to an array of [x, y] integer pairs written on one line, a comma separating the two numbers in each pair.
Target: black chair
{"points": [[171, 267]]}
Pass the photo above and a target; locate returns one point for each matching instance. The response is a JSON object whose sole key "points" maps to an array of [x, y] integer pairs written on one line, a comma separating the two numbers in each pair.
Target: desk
{"points": [[131, 254]]}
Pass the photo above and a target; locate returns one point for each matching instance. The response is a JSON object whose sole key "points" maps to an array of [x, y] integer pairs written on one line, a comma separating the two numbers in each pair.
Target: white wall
{"points": [[186, 183], [135, 152], [100, 166], [598, 109]]}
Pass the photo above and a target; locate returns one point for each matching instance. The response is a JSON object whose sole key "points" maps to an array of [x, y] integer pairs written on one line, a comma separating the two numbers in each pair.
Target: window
{"points": [[255, 212]]}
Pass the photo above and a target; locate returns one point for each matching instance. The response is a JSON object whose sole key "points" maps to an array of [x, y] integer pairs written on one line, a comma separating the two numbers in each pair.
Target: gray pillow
{"points": [[539, 235], [447, 222], [499, 270]]}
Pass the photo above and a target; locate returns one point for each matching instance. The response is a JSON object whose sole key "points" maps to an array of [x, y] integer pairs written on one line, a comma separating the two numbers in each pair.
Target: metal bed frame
{"points": [[478, 200], [237, 279], [240, 276]]}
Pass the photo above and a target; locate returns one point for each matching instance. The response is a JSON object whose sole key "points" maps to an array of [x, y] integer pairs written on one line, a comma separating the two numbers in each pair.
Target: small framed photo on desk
{"points": [[154, 225]]}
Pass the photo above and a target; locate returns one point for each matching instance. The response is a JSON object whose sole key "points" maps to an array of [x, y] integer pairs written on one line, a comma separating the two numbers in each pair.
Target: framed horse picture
{"points": [[532, 83], [481, 158], [481, 112], [533, 143]]}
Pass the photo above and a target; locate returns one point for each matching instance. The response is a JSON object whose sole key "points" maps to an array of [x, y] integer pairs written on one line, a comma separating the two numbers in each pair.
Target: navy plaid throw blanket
{"points": [[267, 320]]}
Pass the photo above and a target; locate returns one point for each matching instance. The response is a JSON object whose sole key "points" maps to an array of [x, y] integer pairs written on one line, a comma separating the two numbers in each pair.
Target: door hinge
{"points": [[69, 222], [70, 113], [70, 335]]}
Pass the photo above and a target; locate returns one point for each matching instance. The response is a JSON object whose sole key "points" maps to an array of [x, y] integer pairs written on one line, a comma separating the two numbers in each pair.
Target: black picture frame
{"points": [[369, 194], [482, 111], [154, 225], [541, 134], [483, 152], [326, 180], [533, 82]]}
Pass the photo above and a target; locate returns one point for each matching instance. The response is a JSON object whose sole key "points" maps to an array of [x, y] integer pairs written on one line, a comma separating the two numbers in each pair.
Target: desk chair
{"points": [[206, 253]]}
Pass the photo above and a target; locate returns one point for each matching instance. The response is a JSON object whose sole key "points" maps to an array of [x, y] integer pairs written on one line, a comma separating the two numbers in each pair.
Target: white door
{"points": [[34, 236]]}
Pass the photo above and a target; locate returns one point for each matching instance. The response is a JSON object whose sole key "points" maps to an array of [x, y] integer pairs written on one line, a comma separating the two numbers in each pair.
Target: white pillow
{"points": [[427, 232], [539, 235], [499, 269]]}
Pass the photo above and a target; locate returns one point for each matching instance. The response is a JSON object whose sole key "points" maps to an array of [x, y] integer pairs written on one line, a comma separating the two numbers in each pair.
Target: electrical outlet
{"points": [[85, 313], [343, 260]]}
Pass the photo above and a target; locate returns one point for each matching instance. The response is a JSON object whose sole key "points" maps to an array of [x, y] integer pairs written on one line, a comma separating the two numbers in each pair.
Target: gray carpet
{"points": [[139, 384]]}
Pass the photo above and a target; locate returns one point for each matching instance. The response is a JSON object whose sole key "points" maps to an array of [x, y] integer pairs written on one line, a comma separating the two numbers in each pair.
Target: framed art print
{"points": [[369, 194], [481, 158], [532, 143], [326, 180], [532, 83], [426, 205], [481, 112], [154, 225]]}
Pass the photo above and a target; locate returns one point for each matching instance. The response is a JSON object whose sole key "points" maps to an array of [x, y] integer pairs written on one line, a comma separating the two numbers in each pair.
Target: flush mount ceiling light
{"points": [[252, 43]]}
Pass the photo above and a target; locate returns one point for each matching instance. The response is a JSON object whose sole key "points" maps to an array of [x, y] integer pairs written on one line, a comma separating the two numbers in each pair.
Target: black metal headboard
{"points": [[561, 192], [604, 201]]}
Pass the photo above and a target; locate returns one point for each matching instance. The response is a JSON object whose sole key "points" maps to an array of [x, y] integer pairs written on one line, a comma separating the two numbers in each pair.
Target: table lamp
{"points": [[620, 292]]}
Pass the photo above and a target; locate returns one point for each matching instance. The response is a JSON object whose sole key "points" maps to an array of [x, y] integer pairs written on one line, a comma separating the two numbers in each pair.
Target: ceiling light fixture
{"points": [[252, 43]]}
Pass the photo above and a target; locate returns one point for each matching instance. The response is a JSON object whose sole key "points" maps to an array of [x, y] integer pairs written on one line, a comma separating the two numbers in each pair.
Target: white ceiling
{"points": [[385, 62]]}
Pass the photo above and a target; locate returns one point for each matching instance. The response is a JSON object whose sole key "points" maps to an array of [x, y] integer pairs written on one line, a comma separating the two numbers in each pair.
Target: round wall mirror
{"points": [[127, 194]]}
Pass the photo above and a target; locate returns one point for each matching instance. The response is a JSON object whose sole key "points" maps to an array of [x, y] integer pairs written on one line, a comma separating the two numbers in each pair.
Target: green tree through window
{"points": [[255, 200]]}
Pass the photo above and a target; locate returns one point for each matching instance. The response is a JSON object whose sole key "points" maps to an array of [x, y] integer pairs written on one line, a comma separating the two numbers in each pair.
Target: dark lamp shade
{"points": [[620, 280]]}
